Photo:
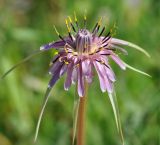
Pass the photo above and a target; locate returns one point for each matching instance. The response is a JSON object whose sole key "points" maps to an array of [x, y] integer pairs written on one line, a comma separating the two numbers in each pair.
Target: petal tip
{"points": [[42, 48], [49, 86], [65, 88], [50, 73]]}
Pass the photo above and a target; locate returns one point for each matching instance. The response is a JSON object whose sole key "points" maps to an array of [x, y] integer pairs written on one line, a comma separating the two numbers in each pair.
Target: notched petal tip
{"points": [[66, 88]]}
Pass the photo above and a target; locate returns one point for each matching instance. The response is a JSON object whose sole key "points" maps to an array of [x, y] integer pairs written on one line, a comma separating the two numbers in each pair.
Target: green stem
{"points": [[81, 120]]}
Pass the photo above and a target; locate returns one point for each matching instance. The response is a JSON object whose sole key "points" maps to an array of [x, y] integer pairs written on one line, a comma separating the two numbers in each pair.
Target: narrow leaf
{"points": [[19, 63], [75, 116], [46, 97], [113, 100]]}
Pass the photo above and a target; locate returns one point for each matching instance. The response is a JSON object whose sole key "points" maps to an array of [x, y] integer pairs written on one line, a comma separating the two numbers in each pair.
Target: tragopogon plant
{"points": [[78, 54]]}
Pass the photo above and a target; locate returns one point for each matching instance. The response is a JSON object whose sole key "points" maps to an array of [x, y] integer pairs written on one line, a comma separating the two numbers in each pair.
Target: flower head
{"points": [[82, 51], [79, 53]]}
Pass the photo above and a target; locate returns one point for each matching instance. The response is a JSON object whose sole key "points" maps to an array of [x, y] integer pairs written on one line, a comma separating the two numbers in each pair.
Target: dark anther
{"points": [[106, 39], [95, 27], [73, 27], [102, 31], [106, 36]]}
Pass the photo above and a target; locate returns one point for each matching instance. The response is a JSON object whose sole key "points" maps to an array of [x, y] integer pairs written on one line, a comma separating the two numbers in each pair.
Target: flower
{"points": [[78, 54], [82, 51]]}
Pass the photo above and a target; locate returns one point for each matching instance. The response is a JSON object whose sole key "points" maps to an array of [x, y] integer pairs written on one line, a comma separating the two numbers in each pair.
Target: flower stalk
{"points": [[82, 117], [81, 121]]}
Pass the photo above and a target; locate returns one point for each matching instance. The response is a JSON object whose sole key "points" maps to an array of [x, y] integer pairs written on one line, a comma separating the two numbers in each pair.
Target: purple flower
{"points": [[82, 51], [78, 55]]}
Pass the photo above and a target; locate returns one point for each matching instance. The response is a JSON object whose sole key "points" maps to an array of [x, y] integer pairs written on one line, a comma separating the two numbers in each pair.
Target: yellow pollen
{"points": [[56, 53], [75, 17], [70, 19], [85, 17], [102, 62], [66, 62], [66, 50], [113, 29], [69, 30], [100, 21]]}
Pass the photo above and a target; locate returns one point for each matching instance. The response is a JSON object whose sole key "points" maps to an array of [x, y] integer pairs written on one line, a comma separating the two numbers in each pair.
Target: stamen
{"points": [[65, 49], [99, 49], [104, 41], [85, 20], [59, 34], [66, 62], [106, 36], [102, 62], [102, 32], [97, 26], [105, 45], [70, 20], [69, 30], [75, 19], [113, 29], [55, 60], [100, 21], [105, 54]]}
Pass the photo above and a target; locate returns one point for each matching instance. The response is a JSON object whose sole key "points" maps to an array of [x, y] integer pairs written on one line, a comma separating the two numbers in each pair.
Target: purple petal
{"points": [[118, 61], [55, 58], [80, 82], [122, 42], [87, 70], [57, 74], [56, 66], [53, 80], [108, 69], [118, 41], [110, 74], [105, 83], [100, 73], [57, 44], [63, 70], [120, 48], [74, 75], [68, 81], [109, 85], [85, 66]]}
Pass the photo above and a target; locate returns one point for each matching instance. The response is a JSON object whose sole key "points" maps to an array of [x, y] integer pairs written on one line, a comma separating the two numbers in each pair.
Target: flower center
{"points": [[83, 41]]}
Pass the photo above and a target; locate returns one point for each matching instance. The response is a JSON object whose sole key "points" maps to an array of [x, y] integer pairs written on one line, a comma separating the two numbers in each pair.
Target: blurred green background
{"points": [[27, 24]]}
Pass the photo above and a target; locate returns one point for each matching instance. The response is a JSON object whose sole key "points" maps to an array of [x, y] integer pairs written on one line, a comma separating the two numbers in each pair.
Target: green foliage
{"points": [[26, 25]]}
